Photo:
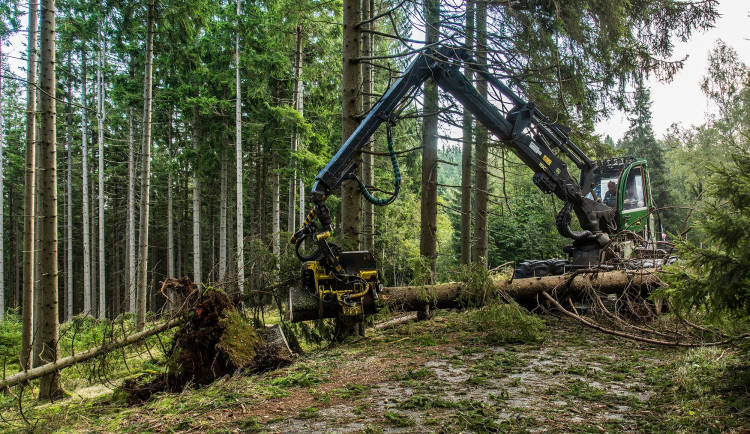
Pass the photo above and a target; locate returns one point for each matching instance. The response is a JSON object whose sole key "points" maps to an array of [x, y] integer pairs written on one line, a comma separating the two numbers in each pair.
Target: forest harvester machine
{"points": [[609, 198]]}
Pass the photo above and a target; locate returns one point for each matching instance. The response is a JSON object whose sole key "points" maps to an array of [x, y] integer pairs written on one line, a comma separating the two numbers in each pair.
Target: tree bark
{"points": [[30, 194], [276, 210], [466, 148], [131, 210], [351, 106], [100, 123], [297, 104], [197, 260], [85, 194], [69, 202], [140, 314], [305, 306], [223, 219], [368, 87], [481, 225], [50, 386], [2, 196], [238, 160], [170, 202], [428, 229]]}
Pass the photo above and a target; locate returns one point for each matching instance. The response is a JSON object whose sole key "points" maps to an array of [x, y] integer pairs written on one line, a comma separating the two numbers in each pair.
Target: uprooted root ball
{"points": [[214, 343]]}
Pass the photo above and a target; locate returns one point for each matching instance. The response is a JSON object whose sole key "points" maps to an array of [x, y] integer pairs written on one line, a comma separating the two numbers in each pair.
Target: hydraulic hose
{"points": [[396, 176]]}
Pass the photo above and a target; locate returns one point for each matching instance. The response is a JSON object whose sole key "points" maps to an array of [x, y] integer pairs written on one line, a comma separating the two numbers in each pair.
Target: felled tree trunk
{"points": [[305, 306]]}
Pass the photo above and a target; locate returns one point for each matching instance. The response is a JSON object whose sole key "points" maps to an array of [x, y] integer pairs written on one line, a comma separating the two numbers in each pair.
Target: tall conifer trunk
{"points": [[170, 202], [275, 209], [27, 333], [170, 211], [428, 239], [368, 79], [197, 260], [466, 147], [223, 219], [481, 227], [131, 208], [238, 160], [69, 202], [140, 314], [85, 193], [100, 123], [351, 106], [296, 103], [2, 197], [49, 386]]}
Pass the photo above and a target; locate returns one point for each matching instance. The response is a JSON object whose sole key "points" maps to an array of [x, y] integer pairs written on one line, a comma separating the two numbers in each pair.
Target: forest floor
{"points": [[441, 375]]}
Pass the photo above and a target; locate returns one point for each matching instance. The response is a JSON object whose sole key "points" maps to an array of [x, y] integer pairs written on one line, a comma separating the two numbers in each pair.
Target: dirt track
{"points": [[440, 375]]}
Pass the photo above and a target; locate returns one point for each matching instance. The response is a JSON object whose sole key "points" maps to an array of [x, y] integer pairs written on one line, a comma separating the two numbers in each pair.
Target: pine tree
{"points": [[639, 141]]}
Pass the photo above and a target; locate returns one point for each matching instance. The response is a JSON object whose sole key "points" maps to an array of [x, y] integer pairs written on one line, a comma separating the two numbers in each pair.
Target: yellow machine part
{"points": [[326, 287]]}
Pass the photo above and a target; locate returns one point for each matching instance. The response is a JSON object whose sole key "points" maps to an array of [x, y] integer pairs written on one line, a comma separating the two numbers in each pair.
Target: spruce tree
{"points": [[715, 276], [640, 142]]}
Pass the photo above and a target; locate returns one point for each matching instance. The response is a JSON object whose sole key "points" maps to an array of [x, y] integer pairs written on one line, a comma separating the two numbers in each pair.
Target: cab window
{"points": [[634, 198]]}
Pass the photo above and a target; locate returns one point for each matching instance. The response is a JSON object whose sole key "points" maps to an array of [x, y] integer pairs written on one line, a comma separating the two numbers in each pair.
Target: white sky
{"points": [[681, 101]]}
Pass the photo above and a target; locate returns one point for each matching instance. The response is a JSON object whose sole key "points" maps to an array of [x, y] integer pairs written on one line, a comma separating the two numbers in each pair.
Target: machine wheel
{"points": [[541, 268]]}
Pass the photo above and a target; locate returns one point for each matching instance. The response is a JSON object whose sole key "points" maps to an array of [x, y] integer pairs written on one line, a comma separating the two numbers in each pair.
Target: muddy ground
{"points": [[441, 376]]}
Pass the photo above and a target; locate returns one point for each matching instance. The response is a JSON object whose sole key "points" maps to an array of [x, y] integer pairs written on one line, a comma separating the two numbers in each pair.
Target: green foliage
{"points": [[10, 21], [716, 276], [505, 323], [10, 338], [398, 420], [306, 377], [478, 286], [425, 402], [522, 225], [693, 152]]}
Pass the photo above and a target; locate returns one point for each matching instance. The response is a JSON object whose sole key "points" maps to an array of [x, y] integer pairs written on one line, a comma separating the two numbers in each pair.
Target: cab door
{"points": [[633, 197]]}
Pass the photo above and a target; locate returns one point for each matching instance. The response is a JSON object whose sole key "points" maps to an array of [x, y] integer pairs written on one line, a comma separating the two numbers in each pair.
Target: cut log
{"points": [[305, 306]]}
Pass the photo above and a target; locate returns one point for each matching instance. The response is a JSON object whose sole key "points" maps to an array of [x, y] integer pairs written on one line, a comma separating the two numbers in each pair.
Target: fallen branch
{"points": [[624, 323], [598, 327], [395, 321], [31, 374]]}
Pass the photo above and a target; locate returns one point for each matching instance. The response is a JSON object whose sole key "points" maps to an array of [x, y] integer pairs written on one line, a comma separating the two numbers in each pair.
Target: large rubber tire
{"points": [[541, 268]]}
